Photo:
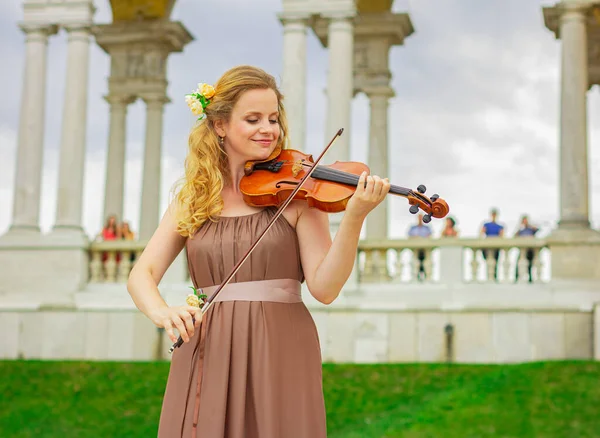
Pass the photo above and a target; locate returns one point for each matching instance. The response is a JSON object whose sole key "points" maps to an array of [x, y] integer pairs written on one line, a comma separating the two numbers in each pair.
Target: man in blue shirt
{"points": [[420, 230], [492, 229]]}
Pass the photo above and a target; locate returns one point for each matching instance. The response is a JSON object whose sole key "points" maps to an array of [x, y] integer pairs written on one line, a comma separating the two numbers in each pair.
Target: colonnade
{"points": [[138, 51]]}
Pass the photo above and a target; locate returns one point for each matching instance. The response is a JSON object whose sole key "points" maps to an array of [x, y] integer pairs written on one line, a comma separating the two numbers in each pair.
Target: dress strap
{"points": [[284, 290]]}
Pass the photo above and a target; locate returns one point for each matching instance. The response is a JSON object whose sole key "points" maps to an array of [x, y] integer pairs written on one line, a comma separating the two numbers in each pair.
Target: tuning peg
{"points": [[414, 209], [427, 218], [421, 188], [434, 197]]}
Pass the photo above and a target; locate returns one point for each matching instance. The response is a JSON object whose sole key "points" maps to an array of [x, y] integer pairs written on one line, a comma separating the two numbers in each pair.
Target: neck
{"points": [[236, 172]]}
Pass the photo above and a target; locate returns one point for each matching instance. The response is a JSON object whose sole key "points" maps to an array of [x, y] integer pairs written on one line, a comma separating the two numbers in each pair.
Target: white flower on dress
{"points": [[192, 300]]}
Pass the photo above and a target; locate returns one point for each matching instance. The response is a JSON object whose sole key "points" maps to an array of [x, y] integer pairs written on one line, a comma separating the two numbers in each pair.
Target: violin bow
{"points": [[289, 199]]}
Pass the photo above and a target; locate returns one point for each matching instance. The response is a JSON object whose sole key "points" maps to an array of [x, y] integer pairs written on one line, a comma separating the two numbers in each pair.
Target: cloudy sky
{"points": [[475, 117]]}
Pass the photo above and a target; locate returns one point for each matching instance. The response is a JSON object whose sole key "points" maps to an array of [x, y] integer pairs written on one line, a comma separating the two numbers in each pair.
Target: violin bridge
{"points": [[296, 168]]}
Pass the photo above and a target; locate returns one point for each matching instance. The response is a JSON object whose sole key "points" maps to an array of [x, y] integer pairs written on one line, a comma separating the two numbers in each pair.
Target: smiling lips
{"points": [[264, 142]]}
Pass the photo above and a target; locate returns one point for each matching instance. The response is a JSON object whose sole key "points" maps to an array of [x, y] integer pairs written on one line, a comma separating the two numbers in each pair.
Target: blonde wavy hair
{"points": [[206, 165]]}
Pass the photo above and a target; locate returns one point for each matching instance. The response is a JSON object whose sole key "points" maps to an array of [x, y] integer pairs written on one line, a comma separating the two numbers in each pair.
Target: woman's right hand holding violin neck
{"points": [[370, 192], [183, 318]]}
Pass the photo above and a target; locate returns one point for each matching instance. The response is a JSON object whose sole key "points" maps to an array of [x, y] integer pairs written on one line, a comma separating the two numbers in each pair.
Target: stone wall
{"points": [[475, 337], [424, 324]]}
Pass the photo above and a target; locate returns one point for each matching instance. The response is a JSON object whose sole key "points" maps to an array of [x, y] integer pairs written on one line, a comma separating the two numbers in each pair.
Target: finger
{"points": [[370, 185], [385, 188], [362, 179], [181, 328], [198, 318], [378, 186], [196, 314], [169, 329], [375, 196], [186, 317], [195, 311]]}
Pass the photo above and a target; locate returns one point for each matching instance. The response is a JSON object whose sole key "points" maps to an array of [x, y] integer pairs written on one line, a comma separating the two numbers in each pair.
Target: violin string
{"points": [[352, 179], [335, 175]]}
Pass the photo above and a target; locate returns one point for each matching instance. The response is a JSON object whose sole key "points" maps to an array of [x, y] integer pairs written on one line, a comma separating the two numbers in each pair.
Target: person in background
{"points": [[126, 233], [450, 228], [420, 230], [111, 229], [526, 230], [492, 229]]}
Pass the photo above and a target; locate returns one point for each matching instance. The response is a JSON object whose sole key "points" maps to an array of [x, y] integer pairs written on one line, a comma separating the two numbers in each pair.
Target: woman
{"points": [[450, 228], [253, 367], [126, 233], [111, 229]]}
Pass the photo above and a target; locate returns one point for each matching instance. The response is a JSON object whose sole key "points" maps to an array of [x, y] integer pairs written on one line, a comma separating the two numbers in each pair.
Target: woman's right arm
{"points": [[164, 246]]}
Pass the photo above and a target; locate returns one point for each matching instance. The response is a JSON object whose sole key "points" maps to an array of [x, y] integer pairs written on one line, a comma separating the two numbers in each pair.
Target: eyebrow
{"points": [[258, 113]]}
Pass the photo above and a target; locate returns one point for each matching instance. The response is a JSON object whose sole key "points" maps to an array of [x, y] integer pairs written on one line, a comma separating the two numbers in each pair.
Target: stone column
{"points": [[72, 152], [575, 247], [377, 221], [339, 85], [115, 162], [28, 177], [150, 210], [574, 183], [294, 78]]}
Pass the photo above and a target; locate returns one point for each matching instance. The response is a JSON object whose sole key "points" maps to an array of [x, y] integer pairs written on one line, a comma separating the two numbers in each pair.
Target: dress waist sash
{"points": [[285, 290]]}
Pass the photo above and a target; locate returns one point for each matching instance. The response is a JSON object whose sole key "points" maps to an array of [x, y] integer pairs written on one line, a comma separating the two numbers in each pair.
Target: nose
{"points": [[266, 127]]}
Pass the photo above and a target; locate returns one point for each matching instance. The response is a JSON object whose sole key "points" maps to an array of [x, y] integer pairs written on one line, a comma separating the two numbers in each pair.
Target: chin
{"points": [[262, 154]]}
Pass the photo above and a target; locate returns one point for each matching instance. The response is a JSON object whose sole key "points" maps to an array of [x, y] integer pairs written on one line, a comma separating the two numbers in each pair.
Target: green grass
{"points": [[90, 399]]}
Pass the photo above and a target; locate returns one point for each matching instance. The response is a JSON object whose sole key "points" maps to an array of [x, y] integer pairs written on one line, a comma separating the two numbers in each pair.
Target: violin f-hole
{"points": [[278, 185]]}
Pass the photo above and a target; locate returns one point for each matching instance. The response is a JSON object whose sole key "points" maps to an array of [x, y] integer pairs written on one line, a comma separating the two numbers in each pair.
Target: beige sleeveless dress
{"points": [[253, 370]]}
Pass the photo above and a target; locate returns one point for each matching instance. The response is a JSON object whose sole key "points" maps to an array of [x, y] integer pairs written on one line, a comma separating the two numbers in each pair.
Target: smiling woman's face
{"points": [[253, 130]]}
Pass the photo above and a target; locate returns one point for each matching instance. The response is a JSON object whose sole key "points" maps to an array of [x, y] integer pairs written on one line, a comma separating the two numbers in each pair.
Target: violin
{"points": [[270, 182]]}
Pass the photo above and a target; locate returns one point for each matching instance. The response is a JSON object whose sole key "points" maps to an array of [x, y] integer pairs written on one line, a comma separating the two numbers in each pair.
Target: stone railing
{"points": [[453, 260], [111, 261], [390, 261]]}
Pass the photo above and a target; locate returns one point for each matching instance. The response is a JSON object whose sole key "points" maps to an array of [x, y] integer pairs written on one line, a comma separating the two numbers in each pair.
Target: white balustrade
{"points": [[454, 260], [449, 260], [111, 261]]}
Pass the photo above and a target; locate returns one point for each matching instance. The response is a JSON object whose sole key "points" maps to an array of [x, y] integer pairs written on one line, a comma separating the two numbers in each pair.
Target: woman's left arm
{"points": [[326, 264]]}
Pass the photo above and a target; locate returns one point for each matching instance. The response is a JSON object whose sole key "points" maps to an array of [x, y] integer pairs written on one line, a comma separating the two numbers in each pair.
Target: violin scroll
{"points": [[433, 207]]}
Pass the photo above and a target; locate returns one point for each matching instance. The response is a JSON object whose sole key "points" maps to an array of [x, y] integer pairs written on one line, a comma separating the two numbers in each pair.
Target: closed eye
{"points": [[272, 122]]}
